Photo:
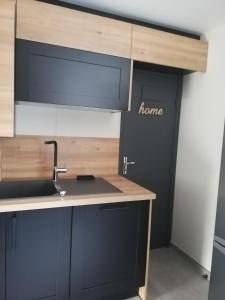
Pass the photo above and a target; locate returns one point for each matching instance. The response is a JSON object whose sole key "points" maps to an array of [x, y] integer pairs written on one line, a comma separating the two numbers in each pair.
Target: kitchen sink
{"points": [[21, 189], [40, 188]]}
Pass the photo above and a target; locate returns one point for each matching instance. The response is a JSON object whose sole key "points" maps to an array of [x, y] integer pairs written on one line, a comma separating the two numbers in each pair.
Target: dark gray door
{"points": [[217, 285], [149, 138], [38, 255], [220, 228]]}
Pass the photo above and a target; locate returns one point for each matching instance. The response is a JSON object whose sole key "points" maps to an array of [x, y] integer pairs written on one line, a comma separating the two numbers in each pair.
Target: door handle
{"points": [[114, 206], [127, 163], [14, 221]]}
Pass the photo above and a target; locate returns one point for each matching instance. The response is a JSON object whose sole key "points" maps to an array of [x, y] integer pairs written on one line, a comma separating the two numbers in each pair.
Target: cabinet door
{"points": [[167, 49], [7, 38], [108, 250], [2, 256], [57, 25], [38, 255], [64, 76]]}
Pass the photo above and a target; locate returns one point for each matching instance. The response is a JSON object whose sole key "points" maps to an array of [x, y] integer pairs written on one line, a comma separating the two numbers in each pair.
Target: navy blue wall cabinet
{"points": [[64, 76], [38, 254], [108, 250]]}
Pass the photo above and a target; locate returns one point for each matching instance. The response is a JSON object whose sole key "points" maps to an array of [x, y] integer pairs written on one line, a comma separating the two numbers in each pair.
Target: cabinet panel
{"points": [[38, 255], [163, 48], [7, 36], [109, 245], [2, 256], [58, 75], [52, 24], [217, 288]]}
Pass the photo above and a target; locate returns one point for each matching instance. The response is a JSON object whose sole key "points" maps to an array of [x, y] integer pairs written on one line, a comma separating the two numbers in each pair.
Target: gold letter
{"points": [[142, 108], [160, 112]]}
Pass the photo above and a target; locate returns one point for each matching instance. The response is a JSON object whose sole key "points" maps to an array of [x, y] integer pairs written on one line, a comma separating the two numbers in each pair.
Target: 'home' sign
{"points": [[154, 111]]}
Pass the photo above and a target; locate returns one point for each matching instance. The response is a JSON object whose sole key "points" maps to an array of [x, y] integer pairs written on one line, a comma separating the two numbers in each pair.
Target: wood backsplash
{"points": [[27, 157]]}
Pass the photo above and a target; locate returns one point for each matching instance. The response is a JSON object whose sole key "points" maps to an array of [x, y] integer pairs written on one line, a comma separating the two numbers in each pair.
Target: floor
{"points": [[173, 277]]}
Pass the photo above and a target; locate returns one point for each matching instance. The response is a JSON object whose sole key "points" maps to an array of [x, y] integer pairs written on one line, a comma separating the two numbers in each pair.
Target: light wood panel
{"points": [[61, 26], [27, 157], [158, 47], [144, 293], [7, 42]]}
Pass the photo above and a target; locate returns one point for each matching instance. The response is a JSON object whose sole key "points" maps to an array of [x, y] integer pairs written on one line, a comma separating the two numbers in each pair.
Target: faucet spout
{"points": [[56, 169], [55, 151]]}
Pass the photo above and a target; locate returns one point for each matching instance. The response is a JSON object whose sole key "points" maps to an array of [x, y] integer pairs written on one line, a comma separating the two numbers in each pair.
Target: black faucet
{"points": [[56, 169], [55, 152]]}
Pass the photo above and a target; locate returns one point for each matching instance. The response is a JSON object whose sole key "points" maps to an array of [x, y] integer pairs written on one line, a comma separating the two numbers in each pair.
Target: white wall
{"points": [[57, 121], [199, 155]]}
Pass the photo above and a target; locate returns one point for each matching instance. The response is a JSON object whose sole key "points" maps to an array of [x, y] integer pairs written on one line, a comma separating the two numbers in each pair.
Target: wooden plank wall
{"points": [[27, 157]]}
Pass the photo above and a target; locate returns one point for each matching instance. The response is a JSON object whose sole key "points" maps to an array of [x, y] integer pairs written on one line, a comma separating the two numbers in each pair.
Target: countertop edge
{"points": [[130, 192]]}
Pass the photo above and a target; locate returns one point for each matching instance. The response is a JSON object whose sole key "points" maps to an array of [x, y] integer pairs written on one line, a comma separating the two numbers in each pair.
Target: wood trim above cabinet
{"points": [[52, 24], [163, 48], [7, 45]]}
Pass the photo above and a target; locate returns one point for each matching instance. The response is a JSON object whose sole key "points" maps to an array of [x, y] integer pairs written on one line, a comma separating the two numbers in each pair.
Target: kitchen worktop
{"points": [[130, 191]]}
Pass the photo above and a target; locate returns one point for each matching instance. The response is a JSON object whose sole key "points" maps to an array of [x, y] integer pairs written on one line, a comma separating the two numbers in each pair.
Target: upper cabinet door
{"points": [[52, 24], [163, 48], [7, 38], [65, 76]]}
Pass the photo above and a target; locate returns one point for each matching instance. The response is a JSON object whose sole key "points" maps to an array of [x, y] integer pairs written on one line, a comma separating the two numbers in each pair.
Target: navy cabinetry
{"points": [[2, 257], [58, 75], [88, 252], [108, 250], [37, 254]]}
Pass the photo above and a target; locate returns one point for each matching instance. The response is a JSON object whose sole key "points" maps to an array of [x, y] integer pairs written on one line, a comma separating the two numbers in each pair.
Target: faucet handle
{"points": [[60, 170], [62, 194]]}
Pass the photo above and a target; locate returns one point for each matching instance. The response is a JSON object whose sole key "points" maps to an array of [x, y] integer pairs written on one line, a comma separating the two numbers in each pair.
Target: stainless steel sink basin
{"points": [[21, 189]]}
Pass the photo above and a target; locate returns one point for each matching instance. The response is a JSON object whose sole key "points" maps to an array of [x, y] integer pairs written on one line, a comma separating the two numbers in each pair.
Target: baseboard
{"points": [[200, 269]]}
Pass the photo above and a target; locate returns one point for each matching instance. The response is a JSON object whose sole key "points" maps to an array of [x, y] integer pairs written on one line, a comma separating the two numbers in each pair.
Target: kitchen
{"points": [[110, 152]]}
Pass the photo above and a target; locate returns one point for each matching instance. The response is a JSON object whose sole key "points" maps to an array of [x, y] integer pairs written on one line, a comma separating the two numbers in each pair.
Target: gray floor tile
{"points": [[172, 277]]}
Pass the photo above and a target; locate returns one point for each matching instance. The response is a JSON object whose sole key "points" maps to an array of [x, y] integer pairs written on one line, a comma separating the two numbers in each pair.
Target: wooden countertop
{"points": [[130, 192]]}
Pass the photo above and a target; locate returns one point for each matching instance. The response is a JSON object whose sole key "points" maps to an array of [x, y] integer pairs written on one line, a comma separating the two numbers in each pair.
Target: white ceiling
{"points": [[197, 16]]}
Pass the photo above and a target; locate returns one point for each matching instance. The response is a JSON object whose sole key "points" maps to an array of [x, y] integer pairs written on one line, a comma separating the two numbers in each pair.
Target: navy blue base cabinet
{"points": [[2, 257], [81, 253], [38, 255], [108, 250]]}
